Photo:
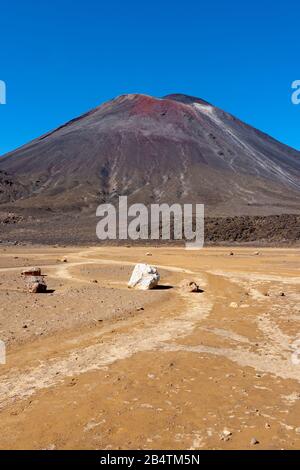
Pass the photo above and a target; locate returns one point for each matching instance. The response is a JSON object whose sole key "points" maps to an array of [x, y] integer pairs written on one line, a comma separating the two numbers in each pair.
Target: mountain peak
{"points": [[178, 148], [186, 99]]}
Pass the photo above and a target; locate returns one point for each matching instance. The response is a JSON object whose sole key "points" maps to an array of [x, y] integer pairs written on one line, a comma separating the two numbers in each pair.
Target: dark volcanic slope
{"points": [[176, 149]]}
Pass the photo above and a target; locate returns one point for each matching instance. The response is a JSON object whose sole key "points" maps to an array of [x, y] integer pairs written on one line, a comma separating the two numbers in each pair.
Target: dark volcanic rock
{"points": [[175, 149], [178, 148]]}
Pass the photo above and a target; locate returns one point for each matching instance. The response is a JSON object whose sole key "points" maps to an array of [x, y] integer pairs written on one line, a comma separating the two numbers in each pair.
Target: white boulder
{"points": [[144, 277]]}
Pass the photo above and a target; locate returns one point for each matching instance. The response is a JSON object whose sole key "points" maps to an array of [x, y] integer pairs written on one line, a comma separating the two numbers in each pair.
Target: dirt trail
{"points": [[239, 328], [19, 384]]}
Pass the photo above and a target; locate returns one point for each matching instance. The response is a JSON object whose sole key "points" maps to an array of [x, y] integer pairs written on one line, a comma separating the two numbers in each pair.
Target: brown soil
{"points": [[95, 365]]}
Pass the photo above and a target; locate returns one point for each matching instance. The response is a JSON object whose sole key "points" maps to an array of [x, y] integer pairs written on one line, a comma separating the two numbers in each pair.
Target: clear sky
{"points": [[60, 58]]}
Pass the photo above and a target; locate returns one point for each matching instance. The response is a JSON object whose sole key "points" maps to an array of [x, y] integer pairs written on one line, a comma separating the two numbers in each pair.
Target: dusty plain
{"points": [[92, 364]]}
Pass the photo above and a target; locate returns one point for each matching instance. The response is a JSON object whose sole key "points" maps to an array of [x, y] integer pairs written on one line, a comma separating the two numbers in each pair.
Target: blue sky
{"points": [[61, 58]]}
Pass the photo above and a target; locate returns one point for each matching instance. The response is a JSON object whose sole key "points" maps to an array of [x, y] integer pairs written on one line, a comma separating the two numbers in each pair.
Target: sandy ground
{"points": [[92, 364]]}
